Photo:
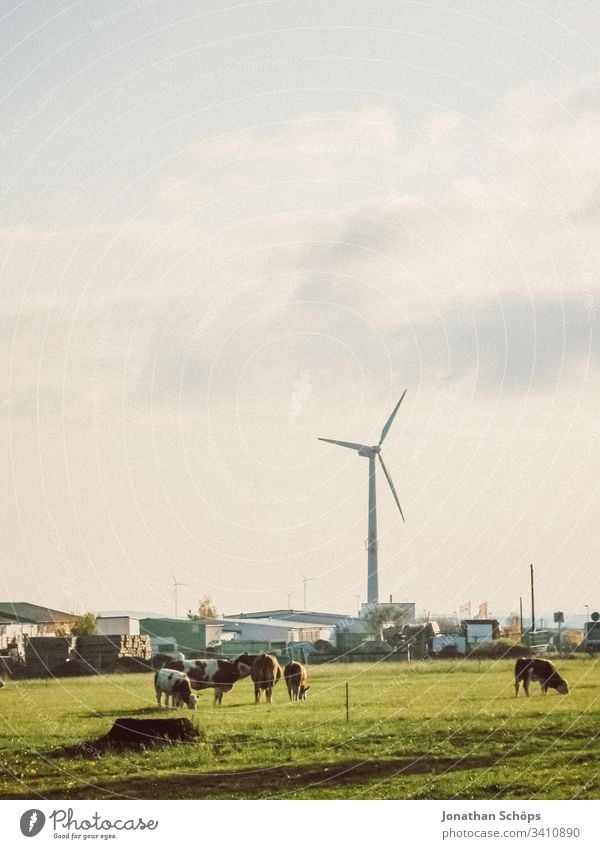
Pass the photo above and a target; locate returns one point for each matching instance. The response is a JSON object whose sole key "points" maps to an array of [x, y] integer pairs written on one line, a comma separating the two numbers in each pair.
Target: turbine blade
{"points": [[353, 445], [388, 424], [389, 480]]}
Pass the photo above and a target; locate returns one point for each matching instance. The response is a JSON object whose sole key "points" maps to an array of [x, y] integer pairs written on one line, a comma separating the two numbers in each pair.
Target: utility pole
{"points": [[521, 615], [532, 601]]}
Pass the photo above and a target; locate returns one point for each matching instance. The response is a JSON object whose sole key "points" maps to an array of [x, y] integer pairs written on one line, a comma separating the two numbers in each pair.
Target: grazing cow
{"points": [[265, 672], [1, 683], [218, 675], [295, 678], [536, 669], [176, 685]]}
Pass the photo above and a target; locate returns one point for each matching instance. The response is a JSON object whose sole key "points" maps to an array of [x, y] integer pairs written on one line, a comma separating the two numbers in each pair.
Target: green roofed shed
{"points": [[189, 634]]}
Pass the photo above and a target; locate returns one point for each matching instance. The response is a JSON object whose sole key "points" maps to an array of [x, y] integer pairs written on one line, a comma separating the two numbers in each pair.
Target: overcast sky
{"points": [[226, 232]]}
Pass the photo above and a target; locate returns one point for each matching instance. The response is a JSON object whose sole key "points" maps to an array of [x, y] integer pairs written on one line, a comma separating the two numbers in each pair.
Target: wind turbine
{"points": [[372, 451], [177, 584], [305, 582]]}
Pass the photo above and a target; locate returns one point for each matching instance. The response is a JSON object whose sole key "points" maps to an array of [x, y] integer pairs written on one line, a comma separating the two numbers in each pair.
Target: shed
{"points": [[479, 631], [190, 634], [591, 640]]}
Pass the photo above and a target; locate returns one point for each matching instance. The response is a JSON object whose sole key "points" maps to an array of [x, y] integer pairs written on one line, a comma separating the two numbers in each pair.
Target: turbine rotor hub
{"points": [[371, 451]]}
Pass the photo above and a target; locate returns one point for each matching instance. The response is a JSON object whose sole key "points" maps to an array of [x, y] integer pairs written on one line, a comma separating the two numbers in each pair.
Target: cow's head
{"points": [[226, 675], [192, 701], [303, 690], [562, 688], [243, 664]]}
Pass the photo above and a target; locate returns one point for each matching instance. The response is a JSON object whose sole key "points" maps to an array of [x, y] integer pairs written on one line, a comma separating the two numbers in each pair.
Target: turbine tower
{"points": [[372, 451]]}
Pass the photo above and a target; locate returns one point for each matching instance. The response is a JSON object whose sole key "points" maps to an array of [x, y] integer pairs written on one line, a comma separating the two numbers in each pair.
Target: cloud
{"points": [[510, 345], [465, 249]]}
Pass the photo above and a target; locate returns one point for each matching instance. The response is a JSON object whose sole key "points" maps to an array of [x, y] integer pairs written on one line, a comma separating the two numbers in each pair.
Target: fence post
{"points": [[347, 704]]}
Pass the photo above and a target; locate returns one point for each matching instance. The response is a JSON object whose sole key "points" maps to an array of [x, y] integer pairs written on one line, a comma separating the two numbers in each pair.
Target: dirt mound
{"points": [[137, 734]]}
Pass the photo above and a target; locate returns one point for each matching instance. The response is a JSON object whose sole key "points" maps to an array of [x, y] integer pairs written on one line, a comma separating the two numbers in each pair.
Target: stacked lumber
{"points": [[103, 653], [136, 645], [42, 654]]}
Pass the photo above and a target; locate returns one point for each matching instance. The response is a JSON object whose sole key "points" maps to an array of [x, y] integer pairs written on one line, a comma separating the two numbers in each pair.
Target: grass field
{"points": [[437, 730]]}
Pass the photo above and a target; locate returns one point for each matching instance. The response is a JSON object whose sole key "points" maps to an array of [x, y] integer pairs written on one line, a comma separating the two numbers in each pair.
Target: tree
{"points": [[206, 610], [447, 624], [85, 625], [384, 615]]}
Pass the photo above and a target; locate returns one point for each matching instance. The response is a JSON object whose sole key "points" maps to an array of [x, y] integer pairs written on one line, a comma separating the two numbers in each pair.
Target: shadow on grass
{"points": [[155, 709], [273, 782], [108, 714]]}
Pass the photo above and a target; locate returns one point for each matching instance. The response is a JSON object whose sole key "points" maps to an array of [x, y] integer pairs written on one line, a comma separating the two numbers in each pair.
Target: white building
{"points": [[479, 631], [275, 631], [12, 632], [112, 625]]}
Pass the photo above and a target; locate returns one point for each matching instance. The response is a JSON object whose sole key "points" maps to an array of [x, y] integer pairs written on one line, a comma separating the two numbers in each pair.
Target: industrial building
{"points": [[20, 619]]}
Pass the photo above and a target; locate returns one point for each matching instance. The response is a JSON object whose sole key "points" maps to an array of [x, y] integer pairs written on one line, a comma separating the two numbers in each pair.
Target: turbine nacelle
{"points": [[369, 451]]}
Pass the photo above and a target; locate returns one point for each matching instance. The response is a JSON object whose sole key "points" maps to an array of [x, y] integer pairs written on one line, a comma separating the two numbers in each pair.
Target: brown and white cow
{"points": [[265, 673], [214, 674], [243, 664], [174, 685], [537, 669], [295, 678]]}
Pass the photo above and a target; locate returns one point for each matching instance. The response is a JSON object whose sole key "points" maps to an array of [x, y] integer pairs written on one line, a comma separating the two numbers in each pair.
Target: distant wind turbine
{"points": [[305, 581], [177, 584], [372, 451]]}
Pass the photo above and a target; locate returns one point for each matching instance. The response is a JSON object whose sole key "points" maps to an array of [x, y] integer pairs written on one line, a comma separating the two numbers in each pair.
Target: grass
{"points": [[437, 730]]}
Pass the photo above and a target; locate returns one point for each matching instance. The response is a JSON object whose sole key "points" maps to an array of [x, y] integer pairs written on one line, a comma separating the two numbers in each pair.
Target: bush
{"points": [[497, 649], [323, 647], [449, 652], [85, 626]]}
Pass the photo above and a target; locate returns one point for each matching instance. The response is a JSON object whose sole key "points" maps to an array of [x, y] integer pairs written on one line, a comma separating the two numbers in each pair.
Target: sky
{"points": [[227, 229]]}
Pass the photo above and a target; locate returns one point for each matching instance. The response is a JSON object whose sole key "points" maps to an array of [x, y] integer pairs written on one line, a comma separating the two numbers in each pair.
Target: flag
{"points": [[465, 611]]}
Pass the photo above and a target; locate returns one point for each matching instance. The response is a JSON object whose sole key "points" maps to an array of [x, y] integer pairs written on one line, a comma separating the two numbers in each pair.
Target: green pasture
{"points": [[431, 730]]}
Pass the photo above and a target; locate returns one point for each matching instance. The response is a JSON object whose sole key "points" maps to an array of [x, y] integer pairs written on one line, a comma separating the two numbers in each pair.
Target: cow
{"points": [[175, 685], [218, 675], [243, 664], [1, 683], [265, 673], [295, 678], [537, 669]]}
